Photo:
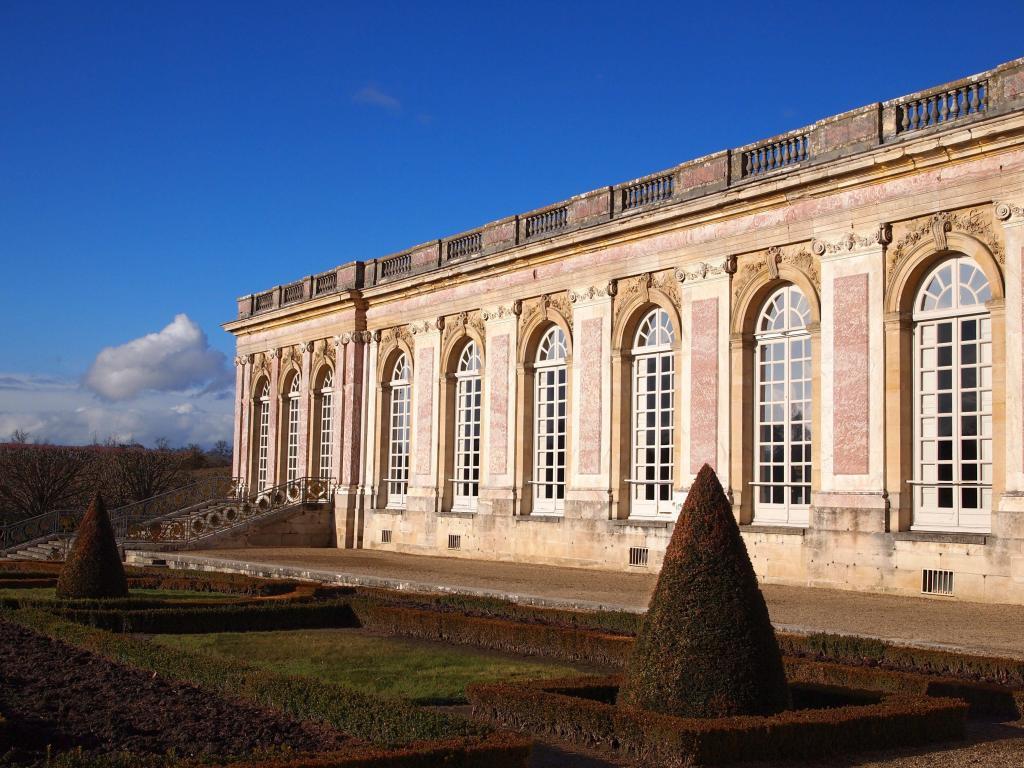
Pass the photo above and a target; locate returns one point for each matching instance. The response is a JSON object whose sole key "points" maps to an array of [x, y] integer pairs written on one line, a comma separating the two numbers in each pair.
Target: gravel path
{"points": [[938, 622]]}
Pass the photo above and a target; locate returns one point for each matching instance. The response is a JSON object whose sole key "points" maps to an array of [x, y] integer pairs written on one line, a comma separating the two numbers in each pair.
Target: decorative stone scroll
{"points": [[796, 256], [260, 365], [323, 351], [426, 326], [1007, 211], [851, 242], [503, 311], [702, 270], [974, 222], [594, 292], [637, 290], [453, 325], [388, 338]]}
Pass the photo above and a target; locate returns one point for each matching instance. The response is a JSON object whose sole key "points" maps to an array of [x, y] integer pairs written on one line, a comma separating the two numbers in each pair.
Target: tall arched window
{"points": [[783, 428], [326, 424], [262, 436], [549, 411], [953, 399], [292, 449], [467, 429], [398, 437], [653, 440]]}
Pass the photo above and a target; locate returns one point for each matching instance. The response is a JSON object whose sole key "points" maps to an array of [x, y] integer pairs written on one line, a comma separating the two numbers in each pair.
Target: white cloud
{"points": [[177, 359], [375, 97]]}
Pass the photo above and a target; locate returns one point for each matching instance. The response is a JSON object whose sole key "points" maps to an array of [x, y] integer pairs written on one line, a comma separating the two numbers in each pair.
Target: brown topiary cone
{"points": [[706, 647], [93, 568]]}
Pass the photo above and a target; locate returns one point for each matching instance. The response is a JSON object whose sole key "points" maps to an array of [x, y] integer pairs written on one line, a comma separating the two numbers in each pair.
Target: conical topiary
{"points": [[93, 568], [706, 647]]}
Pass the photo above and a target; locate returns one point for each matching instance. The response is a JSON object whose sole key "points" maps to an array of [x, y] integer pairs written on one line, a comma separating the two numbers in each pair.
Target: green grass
{"points": [[48, 593], [425, 672]]}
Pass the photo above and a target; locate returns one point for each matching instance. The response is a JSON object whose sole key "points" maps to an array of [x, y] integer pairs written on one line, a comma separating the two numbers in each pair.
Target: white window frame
{"points": [[326, 425], [550, 417], [468, 430], [263, 438], [788, 479], [400, 403], [292, 445], [653, 347], [966, 308]]}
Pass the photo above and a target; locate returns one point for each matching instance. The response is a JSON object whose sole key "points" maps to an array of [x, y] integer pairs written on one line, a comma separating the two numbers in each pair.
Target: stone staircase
{"points": [[189, 517]]}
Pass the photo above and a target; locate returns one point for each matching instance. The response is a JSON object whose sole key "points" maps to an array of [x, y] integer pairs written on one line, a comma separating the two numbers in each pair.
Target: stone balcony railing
{"points": [[996, 92]]}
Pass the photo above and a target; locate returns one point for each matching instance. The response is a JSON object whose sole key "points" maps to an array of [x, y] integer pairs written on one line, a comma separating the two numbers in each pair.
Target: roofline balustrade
{"points": [[948, 107]]}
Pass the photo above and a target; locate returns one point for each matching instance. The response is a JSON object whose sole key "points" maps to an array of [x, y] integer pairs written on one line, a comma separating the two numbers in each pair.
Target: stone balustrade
{"points": [[945, 108]]}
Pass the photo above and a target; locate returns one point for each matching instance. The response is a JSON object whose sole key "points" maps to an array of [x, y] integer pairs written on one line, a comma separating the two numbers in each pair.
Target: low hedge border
{"points": [[566, 709], [28, 582], [847, 649], [381, 721], [201, 619]]}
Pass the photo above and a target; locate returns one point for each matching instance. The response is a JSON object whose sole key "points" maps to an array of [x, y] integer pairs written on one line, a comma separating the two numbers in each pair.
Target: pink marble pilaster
{"points": [[704, 384], [305, 390], [352, 405], [424, 394], [497, 365], [850, 375], [240, 400], [275, 410], [591, 340]]}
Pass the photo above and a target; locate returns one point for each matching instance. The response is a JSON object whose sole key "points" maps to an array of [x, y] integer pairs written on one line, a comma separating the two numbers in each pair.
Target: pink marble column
{"points": [[850, 448], [704, 384]]}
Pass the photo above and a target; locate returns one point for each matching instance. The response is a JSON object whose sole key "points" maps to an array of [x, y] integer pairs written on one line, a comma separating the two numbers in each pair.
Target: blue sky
{"points": [[160, 159]]}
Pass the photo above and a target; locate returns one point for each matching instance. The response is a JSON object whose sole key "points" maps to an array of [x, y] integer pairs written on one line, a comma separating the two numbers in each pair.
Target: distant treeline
{"points": [[39, 478]]}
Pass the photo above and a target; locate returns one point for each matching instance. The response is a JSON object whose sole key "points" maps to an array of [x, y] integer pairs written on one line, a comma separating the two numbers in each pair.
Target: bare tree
{"points": [[141, 472], [19, 436], [40, 478]]}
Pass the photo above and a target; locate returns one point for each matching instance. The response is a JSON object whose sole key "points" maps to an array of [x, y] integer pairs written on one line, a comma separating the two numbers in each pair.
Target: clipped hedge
{"points": [[201, 581], [381, 721], [495, 634], [578, 710], [198, 619]]}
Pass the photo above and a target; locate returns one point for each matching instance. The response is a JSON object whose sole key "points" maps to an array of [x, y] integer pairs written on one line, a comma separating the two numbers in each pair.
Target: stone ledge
{"points": [[639, 522], [388, 511], [539, 518], [455, 513], [938, 537], [778, 530]]}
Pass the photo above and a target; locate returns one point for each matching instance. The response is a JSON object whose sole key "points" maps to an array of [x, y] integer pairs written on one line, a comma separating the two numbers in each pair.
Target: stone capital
{"points": [[1009, 214]]}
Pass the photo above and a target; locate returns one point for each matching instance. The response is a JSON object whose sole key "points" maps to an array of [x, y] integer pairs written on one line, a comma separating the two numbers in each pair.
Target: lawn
{"points": [[425, 672]]}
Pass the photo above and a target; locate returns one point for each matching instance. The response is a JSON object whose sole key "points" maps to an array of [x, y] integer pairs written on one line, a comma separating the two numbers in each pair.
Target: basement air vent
{"points": [[454, 541], [934, 582], [638, 556], [385, 536]]}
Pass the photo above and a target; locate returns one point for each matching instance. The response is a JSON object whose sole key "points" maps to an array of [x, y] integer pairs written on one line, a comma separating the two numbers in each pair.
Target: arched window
{"points": [[782, 479], [326, 424], [292, 450], [262, 436], [549, 413], [398, 439], [953, 399], [653, 409], [467, 429]]}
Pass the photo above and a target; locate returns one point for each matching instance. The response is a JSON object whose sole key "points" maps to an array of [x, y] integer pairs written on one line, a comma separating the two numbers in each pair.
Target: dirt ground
{"points": [[56, 694], [937, 622]]}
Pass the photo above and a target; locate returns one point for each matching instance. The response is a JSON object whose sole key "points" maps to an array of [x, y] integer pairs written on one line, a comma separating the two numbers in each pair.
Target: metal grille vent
{"points": [[385, 536], [934, 582], [454, 541], [638, 556]]}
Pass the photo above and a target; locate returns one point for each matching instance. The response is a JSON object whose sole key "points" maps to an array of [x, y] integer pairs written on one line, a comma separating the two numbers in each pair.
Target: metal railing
{"points": [[49, 525], [223, 514]]}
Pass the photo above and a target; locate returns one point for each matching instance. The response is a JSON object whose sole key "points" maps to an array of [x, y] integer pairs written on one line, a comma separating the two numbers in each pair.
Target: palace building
{"points": [[831, 318]]}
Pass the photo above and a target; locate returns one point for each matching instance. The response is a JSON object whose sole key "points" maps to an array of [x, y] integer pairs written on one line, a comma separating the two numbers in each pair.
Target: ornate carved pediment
{"points": [[387, 338], [323, 351], [936, 228], [260, 364], [796, 256], [540, 307], [291, 356], [453, 325]]}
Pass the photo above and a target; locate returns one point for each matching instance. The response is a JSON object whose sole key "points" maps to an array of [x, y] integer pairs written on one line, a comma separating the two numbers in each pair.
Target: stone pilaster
{"points": [[239, 458], [1011, 215], [305, 409], [498, 458], [350, 364], [274, 447], [424, 478]]}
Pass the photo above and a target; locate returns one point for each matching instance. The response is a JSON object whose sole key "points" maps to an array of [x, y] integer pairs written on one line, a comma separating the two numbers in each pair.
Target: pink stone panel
{"points": [[425, 256], [850, 378], [588, 206], [1013, 85], [591, 338], [704, 384], [501, 232], [498, 367], [425, 408], [701, 174], [849, 129]]}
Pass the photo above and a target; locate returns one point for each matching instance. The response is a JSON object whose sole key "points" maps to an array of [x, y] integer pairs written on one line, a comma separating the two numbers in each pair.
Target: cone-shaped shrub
{"points": [[93, 567], [706, 647]]}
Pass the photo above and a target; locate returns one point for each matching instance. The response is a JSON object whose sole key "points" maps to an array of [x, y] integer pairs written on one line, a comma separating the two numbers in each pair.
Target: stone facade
{"points": [[855, 213]]}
